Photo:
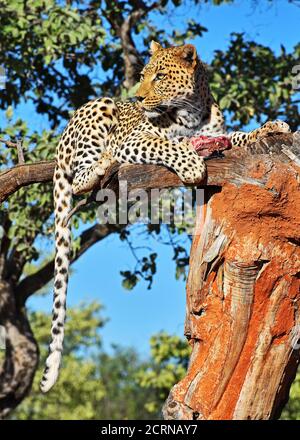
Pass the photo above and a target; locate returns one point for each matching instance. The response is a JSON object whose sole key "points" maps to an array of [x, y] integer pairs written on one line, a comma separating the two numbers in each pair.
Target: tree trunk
{"points": [[243, 299], [21, 357]]}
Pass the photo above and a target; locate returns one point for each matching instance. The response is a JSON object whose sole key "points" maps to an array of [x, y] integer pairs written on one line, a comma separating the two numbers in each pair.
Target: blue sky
{"points": [[136, 315]]}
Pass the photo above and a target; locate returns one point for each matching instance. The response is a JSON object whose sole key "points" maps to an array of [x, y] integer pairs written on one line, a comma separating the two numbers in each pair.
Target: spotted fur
{"points": [[173, 103]]}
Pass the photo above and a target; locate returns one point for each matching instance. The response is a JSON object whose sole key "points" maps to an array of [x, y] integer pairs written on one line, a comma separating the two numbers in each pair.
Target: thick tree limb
{"points": [[22, 175], [4, 243], [132, 61], [233, 166]]}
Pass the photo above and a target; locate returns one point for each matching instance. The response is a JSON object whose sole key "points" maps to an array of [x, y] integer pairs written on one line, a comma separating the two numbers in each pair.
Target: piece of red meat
{"points": [[207, 145]]}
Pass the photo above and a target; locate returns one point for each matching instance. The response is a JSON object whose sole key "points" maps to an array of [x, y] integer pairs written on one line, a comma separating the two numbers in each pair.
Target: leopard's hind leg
{"points": [[242, 139], [86, 177], [91, 158]]}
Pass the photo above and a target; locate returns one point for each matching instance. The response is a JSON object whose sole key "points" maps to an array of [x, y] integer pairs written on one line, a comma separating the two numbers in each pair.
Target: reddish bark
{"points": [[243, 299]]}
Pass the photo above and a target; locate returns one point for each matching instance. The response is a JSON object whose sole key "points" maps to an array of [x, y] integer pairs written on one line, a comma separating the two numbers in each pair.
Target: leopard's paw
{"points": [[195, 172], [276, 126], [268, 128], [104, 162]]}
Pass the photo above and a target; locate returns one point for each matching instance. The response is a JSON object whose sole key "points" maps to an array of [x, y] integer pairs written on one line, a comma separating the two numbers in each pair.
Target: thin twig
{"points": [[84, 202], [18, 146], [9, 143], [21, 159]]}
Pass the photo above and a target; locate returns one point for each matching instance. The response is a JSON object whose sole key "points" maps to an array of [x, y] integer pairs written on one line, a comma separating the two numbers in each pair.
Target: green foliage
{"points": [[28, 213], [39, 36], [292, 409], [169, 361], [79, 379], [251, 83], [97, 385], [124, 398], [50, 49], [145, 268]]}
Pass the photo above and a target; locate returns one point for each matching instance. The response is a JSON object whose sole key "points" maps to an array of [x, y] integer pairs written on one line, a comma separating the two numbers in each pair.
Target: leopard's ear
{"points": [[154, 47], [188, 53]]}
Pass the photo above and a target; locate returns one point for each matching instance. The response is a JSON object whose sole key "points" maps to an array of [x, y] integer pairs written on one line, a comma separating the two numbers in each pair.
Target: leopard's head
{"points": [[169, 79]]}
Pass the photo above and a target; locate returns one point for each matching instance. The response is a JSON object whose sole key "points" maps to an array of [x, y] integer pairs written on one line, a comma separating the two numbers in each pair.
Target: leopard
{"points": [[173, 103]]}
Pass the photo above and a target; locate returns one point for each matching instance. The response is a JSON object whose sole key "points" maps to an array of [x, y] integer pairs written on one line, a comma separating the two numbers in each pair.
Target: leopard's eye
{"points": [[142, 77], [159, 76]]}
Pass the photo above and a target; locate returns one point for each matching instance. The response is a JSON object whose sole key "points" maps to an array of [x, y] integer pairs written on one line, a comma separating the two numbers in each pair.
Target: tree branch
{"points": [[234, 165], [123, 28], [4, 243], [22, 175], [18, 146], [132, 62], [36, 281]]}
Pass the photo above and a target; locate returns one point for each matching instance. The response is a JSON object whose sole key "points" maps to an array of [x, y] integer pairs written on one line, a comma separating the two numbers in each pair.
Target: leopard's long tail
{"points": [[62, 206]]}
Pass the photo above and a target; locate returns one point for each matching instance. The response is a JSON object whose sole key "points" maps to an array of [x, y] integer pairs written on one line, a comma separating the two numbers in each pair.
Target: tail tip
{"points": [[51, 371], [47, 382]]}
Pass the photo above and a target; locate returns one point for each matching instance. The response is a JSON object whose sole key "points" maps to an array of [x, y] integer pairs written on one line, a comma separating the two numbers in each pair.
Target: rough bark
{"points": [[243, 296], [21, 355], [22, 175]]}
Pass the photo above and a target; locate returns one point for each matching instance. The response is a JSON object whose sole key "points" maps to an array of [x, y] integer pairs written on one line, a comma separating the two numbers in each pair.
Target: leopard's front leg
{"points": [[149, 149]]}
